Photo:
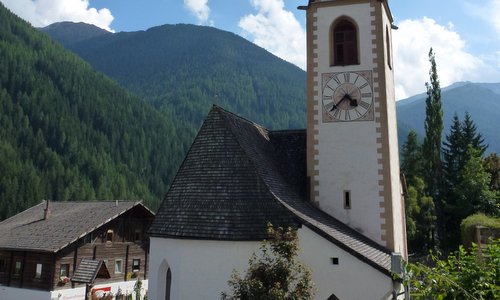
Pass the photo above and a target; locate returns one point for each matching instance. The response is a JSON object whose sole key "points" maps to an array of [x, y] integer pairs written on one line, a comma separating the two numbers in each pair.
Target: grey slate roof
{"points": [[238, 176], [88, 270], [67, 222]]}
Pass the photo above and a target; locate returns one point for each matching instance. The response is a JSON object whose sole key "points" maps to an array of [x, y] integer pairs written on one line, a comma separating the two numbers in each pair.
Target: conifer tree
{"points": [[472, 191], [432, 142], [453, 152], [471, 136], [456, 155]]}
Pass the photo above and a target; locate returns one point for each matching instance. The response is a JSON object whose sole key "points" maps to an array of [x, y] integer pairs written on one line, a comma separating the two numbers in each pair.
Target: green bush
{"points": [[469, 224]]}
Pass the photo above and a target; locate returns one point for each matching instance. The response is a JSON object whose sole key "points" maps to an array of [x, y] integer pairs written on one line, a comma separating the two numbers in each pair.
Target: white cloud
{"points": [[495, 14], [200, 9], [276, 30], [412, 42], [488, 12], [45, 12]]}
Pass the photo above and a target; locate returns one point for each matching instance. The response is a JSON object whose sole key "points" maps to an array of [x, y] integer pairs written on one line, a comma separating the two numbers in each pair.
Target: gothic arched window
{"points": [[345, 43]]}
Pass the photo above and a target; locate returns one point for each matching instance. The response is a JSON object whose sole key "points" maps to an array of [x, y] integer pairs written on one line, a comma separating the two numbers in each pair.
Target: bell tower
{"points": [[352, 146]]}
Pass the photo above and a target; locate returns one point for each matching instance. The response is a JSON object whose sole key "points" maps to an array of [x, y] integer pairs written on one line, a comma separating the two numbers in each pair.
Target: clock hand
{"points": [[352, 102], [338, 103]]}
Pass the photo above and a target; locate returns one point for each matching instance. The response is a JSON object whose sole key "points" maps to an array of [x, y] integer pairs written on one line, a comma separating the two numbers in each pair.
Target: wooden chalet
{"points": [[47, 247]]}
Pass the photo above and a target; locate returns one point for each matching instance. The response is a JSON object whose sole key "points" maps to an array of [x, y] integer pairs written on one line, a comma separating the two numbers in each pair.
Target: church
{"points": [[337, 182]]}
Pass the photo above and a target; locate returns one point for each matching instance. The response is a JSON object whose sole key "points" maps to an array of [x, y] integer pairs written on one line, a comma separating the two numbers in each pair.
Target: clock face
{"points": [[347, 96]]}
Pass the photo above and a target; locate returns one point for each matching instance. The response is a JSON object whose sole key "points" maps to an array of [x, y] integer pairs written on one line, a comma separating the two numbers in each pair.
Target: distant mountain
{"points": [[481, 100], [187, 68], [69, 33], [68, 132]]}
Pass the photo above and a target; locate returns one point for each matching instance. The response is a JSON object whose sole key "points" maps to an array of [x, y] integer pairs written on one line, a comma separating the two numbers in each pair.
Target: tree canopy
{"points": [[464, 274], [276, 274]]}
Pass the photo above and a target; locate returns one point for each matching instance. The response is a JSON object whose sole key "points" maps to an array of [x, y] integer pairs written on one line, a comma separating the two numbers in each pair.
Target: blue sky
{"points": [[465, 34]]}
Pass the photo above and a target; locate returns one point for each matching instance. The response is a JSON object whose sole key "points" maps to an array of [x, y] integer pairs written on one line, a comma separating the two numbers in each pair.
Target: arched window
{"points": [[168, 283], [164, 282], [345, 43]]}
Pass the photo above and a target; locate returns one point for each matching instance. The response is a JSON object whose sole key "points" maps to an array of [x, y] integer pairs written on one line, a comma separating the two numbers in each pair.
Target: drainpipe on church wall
{"points": [[397, 270]]}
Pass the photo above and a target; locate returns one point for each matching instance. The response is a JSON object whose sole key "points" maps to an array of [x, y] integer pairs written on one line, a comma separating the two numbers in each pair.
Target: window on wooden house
{"points": [[109, 235], [136, 265], [38, 271], [137, 235], [64, 271], [2, 265], [17, 268], [118, 266], [345, 44]]}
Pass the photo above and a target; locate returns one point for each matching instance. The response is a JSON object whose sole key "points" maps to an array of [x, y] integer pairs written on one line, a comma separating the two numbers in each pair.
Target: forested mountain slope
{"points": [[68, 132], [188, 68]]}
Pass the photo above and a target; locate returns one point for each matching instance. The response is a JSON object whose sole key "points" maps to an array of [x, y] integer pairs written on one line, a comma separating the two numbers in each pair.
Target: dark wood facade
{"points": [[121, 243]]}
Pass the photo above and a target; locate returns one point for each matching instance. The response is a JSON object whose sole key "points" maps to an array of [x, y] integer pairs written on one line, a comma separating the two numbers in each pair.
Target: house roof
{"points": [[88, 270], [238, 176], [67, 222]]}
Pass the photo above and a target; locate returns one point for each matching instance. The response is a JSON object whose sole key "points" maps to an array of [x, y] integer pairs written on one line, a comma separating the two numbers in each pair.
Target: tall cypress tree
{"points": [[432, 142]]}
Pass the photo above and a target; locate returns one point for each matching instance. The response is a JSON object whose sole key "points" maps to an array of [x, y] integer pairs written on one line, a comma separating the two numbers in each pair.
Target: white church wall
{"points": [[201, 268], [351, 279]]}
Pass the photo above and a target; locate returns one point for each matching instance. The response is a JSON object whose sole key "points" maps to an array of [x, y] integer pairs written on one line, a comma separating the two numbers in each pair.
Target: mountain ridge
{"points": [[480, 100], [407, 118]]}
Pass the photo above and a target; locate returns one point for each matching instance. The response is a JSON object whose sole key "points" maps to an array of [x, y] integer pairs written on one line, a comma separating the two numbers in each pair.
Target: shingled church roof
{"points": [[237, 177]]}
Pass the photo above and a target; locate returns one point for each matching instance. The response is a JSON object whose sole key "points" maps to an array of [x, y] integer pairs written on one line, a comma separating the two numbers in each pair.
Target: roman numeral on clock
{"points": [[347, 77], [366, 95], [336, 79], [347, 116], [364, 104], [356, 80], [363, 86], [336, 114]]}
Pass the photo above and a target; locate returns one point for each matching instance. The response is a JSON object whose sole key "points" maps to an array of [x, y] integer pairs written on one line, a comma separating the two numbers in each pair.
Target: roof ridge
{"points": [[94, 201], [297, 130], [236, 116], [236, 137]]}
